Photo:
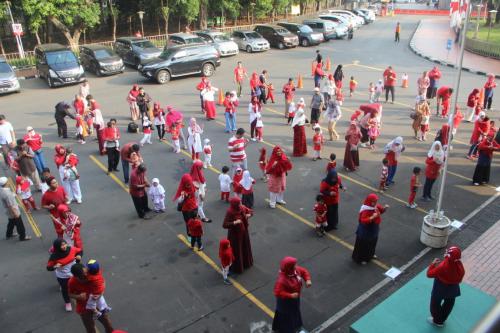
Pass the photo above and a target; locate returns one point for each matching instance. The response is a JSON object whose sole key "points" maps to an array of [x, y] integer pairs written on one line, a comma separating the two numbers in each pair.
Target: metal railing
{"points": [[482, 47]]}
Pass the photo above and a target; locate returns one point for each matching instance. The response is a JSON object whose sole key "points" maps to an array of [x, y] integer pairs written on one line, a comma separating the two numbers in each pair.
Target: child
{"points": [[332, 163], [258, 127], [352, 86], [320, 210], [226, 257], [80, 129], [414, 185], [247, 189], [270, 92], [383, 175], [195, 229], [96, 285], [457, 119], [174, 132], [238, 176], [45, 175], [225, 183], [146, 129], [71, 175], [71, 161], [72, 224], [339, 96], [291, 112], [371, 92], [424, 125], [157, 194], [379, 89], [373, 131], [263, 164], [318, 141], [404, 80], [207, 151], [23, 189]]}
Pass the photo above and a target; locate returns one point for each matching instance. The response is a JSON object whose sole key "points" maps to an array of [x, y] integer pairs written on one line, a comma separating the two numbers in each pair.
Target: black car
{"points": [[277, 36], [136, 51], [182, 61], [306, 35], [101, 60], [58, 65]]}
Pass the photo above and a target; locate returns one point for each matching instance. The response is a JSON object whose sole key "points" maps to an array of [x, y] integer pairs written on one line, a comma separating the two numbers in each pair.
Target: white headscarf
{"points": [[437, 155], [395, 145], [247, 180], [158, 190], [300, 117]]}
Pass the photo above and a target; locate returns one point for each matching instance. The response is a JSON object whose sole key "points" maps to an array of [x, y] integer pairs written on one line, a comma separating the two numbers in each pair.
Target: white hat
{"points": [[206, 141], [29, 128], [316, 89], [3, 181], [155, 180]]}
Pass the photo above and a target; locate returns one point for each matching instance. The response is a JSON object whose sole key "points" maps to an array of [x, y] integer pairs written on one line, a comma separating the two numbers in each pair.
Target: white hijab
{"points": [[395, 145], [437, 155], [247, 180], [300, 117], [156, 190]]}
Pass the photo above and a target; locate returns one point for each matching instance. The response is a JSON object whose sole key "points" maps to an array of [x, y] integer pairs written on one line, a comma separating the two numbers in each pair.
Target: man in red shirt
{"points": [[125, 152], [137, 190], [79, 290], [444, 96], [389, 83], [239, 75], [51, 199], [289, 91], [34, 141]]}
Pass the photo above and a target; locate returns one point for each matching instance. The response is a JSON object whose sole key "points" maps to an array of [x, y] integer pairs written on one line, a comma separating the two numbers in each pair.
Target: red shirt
{"points": [[125, 151], [137, 178], [195, 228], [391, 158], [431, 168], [331, 165], [189, 203], [389, 78], [444, 93], [76, 287], [286, 286], [175, 133], [317, 141], [320, 209], [55, 198], [97, 284], [331, 194], [289, 91], [239, 74], [413, 183], [33, 141]]}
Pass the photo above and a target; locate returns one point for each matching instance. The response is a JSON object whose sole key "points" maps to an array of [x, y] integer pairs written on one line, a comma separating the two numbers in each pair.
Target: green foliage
{"points": [[280, 5], [263, 8], [188, 9], [231, 8]]}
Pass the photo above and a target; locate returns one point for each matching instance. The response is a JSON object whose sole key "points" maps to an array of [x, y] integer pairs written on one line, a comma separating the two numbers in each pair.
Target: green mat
{"points": [[408, 308]]}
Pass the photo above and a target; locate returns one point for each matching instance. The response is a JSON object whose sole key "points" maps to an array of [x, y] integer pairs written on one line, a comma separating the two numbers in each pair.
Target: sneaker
{"points": [[15, 234], [27, 238], [476, 184], [227, 282], [272, 205], [201, 248], [282, 202], [413, 206], [430, 320], [68, 307], [253, 139]]}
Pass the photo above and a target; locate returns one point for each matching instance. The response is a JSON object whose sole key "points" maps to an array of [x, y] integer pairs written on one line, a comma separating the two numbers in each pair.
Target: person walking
{"points": [[392, 152], [126, 157], [433, 163], [175, 118], [338, 76], [12, 211], [472, 105], [447, 275], [333, 114], [287, 290], [7, 138], [254, 112], [489, 87], [35, 142], [185, 198], [330, 188], [62, 110], [368, 229], [397, 32], [26, 163], [434, 76], [111, 147], [389, 83], [317, 103], [138, 186], [277, 169], [240, 73], [483, 166], [351, 152], [51, 199], [289, 92], [299, 132]]}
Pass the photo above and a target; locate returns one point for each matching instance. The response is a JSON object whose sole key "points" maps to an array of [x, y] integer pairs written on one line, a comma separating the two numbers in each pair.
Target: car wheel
{"points": [[208, 69], [281, 46], [49, 82], [305, 42], [163, 76], [249, 49]]}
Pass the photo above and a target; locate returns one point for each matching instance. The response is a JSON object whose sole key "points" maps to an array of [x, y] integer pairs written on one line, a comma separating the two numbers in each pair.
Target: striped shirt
{"points": [[236, 149]]}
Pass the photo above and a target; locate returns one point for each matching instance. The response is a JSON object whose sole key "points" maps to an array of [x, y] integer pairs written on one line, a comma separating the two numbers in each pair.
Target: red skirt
{"points": [[351, 158], [299, 141], [210, 109]]}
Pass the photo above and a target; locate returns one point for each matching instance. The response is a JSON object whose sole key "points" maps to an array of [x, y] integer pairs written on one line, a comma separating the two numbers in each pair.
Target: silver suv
{"points": [[8, 80], [250, 41]]}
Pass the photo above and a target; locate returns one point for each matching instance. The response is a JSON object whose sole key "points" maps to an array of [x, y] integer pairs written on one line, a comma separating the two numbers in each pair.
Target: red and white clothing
{"points": [[146, 130], [55, 198], [23, 189], [383, 177], [208, 95], [318, 142], [277, 168], [444, 95], [34, 141], [239, 74], [194, 139], [290, 278], [236, 147], [226, 256], [472, 103], [207, 153], [225, 186], [320, 210]]}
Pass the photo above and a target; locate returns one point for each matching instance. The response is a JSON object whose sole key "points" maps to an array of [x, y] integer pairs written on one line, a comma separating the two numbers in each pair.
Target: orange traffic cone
{"points": [[221, 97], [481, 97], [328, 64], [300, 85]]}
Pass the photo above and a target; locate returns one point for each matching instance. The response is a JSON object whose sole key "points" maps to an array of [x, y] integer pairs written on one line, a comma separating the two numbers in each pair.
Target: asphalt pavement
{"points": [[154, 282]]}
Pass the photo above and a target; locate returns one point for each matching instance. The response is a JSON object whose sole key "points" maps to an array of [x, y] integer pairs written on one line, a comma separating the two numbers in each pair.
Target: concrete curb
{"points": [[415, 50]]}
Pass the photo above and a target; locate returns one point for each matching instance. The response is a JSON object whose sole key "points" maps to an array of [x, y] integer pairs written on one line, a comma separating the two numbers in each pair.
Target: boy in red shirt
{"points": [[332, 164], [352, 86], [97, 285], [195, 229], [318, 141], [414, 185], [270, 92], [320, 210]]}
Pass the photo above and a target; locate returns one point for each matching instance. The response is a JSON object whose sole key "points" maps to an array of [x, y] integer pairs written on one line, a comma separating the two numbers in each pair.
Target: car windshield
{"points": [[194, 40], [103, 53], [143, 44], [305, 28], [252, 35], [60, 57], [282, 31], [221, 38], [166, 54], [5, 68]]}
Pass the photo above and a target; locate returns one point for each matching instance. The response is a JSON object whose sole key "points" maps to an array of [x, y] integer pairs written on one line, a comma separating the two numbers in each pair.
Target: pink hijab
{"points": [[173, 116]]}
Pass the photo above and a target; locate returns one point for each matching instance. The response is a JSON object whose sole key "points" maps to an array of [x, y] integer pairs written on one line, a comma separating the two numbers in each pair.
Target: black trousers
{"points": [[18, 223], [161, 131], [387, 90], [141, 205], [487, 102], [62, 128], [64, 289], [253, 124], [441, 308], [262, 96], [332, 216], [428, 187], [191, 214], [396, 37], [196, 240], [113, 158]]}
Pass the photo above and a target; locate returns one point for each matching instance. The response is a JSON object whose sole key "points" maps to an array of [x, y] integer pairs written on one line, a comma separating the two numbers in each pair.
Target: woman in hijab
{"points": [[194, 139], [330, 188], [423, 84], [299, 132], [489, 87], [483, 166], [175, 117], [351, 154], [287, 289], [434, 162], [199, 182], [236, 223], [254, 112], [98, 122], [338, 75], [255, 85], [62, 257], [392, 152], [472, 102], [208, 95], [368, 229], [186, 199], [421, 108], [247, 189], [159, 120], [132, 102], [448, 275], [277, 169], [60, 160], [480, 131]]}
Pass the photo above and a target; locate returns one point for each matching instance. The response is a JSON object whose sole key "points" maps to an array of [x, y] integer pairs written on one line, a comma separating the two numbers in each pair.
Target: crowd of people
{"points": [[60, 189]]}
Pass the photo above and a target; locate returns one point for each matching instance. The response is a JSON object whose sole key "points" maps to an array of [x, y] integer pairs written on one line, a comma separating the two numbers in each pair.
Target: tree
{"points": [[165, 12], [70, 17], [279, 6], [187, 9], [263, 8], [113, 14], [203, 14]]}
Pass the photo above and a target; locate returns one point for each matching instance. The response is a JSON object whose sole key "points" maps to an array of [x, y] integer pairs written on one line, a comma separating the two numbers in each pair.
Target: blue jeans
{"points": [[125, 168], [39, 161], [392, 172], [317, 80], [230, 122]]}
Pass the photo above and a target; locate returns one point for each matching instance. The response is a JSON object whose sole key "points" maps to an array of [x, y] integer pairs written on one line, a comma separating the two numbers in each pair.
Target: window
{"points": [[180, 54], [143, 44], [61, 57], [221, 38], [305, 29], [5, 68], [103, 53]]}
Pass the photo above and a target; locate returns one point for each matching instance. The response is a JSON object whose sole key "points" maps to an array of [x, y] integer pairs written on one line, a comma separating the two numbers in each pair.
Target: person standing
{"points": [[434, 76], [240, 73], [194, 139], [489, 86], [132, 102], [159, 120], [51, 199], [208, 94], [397, 32], [368, 229], [7, 138], [289, 92], [351, 153], [143, 101], [299, 132], [392, 151], [338, 76], [236, 147], [236, 223], [26, 163], [287, 289], [330, 189], [421, 108], [200, 184], [318, 75], [389, 83], [479, 132], [333, 114], [12, 211], [125, 154], [317, 103], [263, 86], [111, 147], [98, 122], [230, 104], [185, 198], [433, 164], [472, 103], [483, 166], [423, 84], [35, 142], [176, 118], [138, 186], [63, 110], [277, 169], [254, 112], [447, 275]]}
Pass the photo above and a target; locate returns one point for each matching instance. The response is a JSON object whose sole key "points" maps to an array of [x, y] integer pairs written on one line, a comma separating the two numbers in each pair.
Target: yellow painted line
{"points": [[111, 175], [329, 235], [29, 216], [235, 283]]}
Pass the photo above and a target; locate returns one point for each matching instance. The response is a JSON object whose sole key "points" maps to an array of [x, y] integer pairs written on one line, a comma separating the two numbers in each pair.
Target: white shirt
{"points": [[225, 183], [6, 130]]}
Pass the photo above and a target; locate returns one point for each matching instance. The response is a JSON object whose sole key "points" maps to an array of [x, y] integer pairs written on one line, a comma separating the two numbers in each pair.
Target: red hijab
{"points": [[288, 279], [451, 269], [282, 165], [197, 172], [225, 252], [237, 211], [60, 156], [173, 116], [238, 175], [134, 91], [186, 185], [353, 134]]}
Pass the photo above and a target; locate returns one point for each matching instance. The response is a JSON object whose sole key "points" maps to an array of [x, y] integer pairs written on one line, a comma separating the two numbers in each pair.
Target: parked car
{"points": [[362, 15], [136, 51], [277, 36], [220, 41], [58, 65], [306, 35], [329, 29], [340, 20], [181, 61], [184, 39], [101, 60], [250, 41], [354, 19], [370, 13], [8, 79]]}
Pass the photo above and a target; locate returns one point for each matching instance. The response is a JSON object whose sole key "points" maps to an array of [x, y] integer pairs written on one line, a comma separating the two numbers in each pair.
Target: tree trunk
{"points": [[72, 39], [203, 14], [1, 46], [112, 15], [38, 41]]}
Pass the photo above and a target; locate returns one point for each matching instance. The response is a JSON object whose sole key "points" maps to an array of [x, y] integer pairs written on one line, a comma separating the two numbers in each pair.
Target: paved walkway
{"points": [[438, 31], [482, 264]]}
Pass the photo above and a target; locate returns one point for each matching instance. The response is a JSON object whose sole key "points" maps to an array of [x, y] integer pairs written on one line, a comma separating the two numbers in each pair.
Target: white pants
{"points": [[75, 192], [470, 114], [159, 204], [65, 183], [317, 153], [146, 138], [276, 197], [225, 271], [208, 160], [200, 209], [177, 146], [96, 302]]}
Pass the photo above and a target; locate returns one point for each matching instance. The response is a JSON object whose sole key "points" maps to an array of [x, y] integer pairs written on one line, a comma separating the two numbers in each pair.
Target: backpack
{"points": [[132, 127]]}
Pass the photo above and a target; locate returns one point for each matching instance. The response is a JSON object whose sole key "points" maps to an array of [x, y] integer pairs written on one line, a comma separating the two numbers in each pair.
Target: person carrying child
{"points": [[97, 285], [71, 175]]}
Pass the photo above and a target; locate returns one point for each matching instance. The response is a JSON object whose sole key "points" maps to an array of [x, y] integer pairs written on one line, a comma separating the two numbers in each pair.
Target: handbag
{"points": [[413, 115]]}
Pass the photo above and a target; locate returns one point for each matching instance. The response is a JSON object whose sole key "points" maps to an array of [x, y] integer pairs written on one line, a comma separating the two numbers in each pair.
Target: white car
{"points": [[8, 80], [339, 19], [355, 20], [220, 41]]}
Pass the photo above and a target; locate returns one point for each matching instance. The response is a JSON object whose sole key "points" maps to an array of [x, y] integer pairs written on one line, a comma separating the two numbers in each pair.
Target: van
{"points": [[329, 29], [306, 35], [277, 36], [58, 65]]}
